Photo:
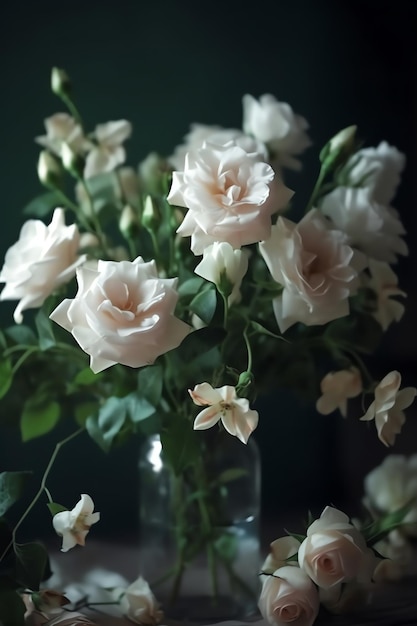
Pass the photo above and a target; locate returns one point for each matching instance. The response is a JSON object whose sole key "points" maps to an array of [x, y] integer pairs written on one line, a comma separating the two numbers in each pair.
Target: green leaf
{"points": [[381, 527], [40, 415], [55, 508], [179, 445], [190, 286], [45, 330], [105, 426], [42, 205], [199, 342], [204, 305], [138, 407], [226, 546], [86, 377], [22, 334], [12, 608], [264, 331], [230, 474], [6, 376], [32, 564], [12, 485], [84, 411], [150, 380]]}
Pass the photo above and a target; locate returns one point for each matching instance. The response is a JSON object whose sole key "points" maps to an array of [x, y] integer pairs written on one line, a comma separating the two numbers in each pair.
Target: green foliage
{"points": [[12, 485], [40, 415]]}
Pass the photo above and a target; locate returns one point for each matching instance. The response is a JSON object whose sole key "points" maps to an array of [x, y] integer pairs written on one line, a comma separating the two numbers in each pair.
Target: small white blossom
{"points": [[61, 129], [220, 261], [387, 409], [73, 526], [224, 404], [337, 388], [384, 282], [108, 152], [275, 124], [139, 604]]}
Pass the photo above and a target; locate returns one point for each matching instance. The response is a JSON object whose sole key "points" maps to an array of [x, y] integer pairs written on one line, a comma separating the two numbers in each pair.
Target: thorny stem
{"points": [[41, 489]]}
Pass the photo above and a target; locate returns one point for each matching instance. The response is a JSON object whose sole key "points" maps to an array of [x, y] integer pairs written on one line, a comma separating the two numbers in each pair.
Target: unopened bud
{"points": [[129, 222], [73, 162], [49, 170], [60, 82], [150, 215], [245, 379], [339, 148]]}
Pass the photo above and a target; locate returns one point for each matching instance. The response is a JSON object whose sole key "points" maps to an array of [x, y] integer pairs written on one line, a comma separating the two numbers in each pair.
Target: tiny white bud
{"points": [[72, 162], [60, 82], [128, 223], [49, 169], [343, 139], [150, 217]]}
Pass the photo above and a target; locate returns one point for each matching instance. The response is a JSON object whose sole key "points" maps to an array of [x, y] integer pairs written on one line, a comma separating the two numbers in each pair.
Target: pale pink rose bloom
{"points": [[44, 258], [73, 526], [387, 409], [223, 404], [109, 152], [384, 283], [275, 124], [391, 485], [199, 133], [61, 129], [289, 596], [221, 261], [373, 228], [139, 604], [337, 388], [315, 267], [334, 551], [379, 169], [280, 550], [122, 313], [230, 195]]}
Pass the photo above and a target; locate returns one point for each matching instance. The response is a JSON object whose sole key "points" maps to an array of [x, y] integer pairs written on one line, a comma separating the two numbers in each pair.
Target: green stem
{"points": [[316, 189], [41, 488], [23, 358], [71, 107], [249, 349]]}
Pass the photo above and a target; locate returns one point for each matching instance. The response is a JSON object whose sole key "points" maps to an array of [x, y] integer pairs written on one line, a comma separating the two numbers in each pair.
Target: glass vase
{"points": [[199, 531]]}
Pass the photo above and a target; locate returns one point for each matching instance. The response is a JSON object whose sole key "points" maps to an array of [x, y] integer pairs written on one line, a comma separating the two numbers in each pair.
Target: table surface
{"points": [[393, 604]]}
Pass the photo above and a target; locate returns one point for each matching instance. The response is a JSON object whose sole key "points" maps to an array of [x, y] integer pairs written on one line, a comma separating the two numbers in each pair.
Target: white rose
{"points": [[373, 228], [315, 267], [122, 313], [139, 604], [289, 596], [108, 152], [379, 169], [387, 409], [280, 550], [334, 551], [337, 388], [220, 264], [230, 196], [275, 124], [61, 129], [391, 485], [43, 259]]}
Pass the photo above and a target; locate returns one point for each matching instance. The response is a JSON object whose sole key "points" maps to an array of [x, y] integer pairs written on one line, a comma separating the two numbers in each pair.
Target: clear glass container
{"points": [[199, 531]]}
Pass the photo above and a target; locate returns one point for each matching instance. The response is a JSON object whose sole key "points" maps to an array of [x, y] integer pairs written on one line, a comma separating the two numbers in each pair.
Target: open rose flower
{"points": [[61, 129], [73, 526], [337, 388], [43, 259], [315, 267], [139, 604], [223, 404], [230, 195], [122, 313], [108, 152], [288, 597], [280, 550], [275, 124], [387, 409], [334, 551]]}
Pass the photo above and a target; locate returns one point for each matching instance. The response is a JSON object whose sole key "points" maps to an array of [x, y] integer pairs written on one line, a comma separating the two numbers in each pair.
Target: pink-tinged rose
{"points": [[280, 550], [334, 551], [199, 133], [384, 282], [275, 124], [230, 195], [337, 388], [316, 268], [139, 604], [223, 404], [73, 526], [43, 259], [387, 409], [288, 597], [123, 313], [374, 229], [379, 169]]}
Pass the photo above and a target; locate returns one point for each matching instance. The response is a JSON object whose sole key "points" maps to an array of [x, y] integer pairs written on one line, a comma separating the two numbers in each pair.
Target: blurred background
{"points": [[163, 65]]}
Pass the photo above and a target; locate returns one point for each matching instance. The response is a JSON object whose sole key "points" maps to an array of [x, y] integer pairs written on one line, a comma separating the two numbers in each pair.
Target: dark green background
{"points": [[163, 65]]}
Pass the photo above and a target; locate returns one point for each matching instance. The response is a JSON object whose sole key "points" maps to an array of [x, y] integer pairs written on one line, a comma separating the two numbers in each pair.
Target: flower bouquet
{"points": [[161, 301]]}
